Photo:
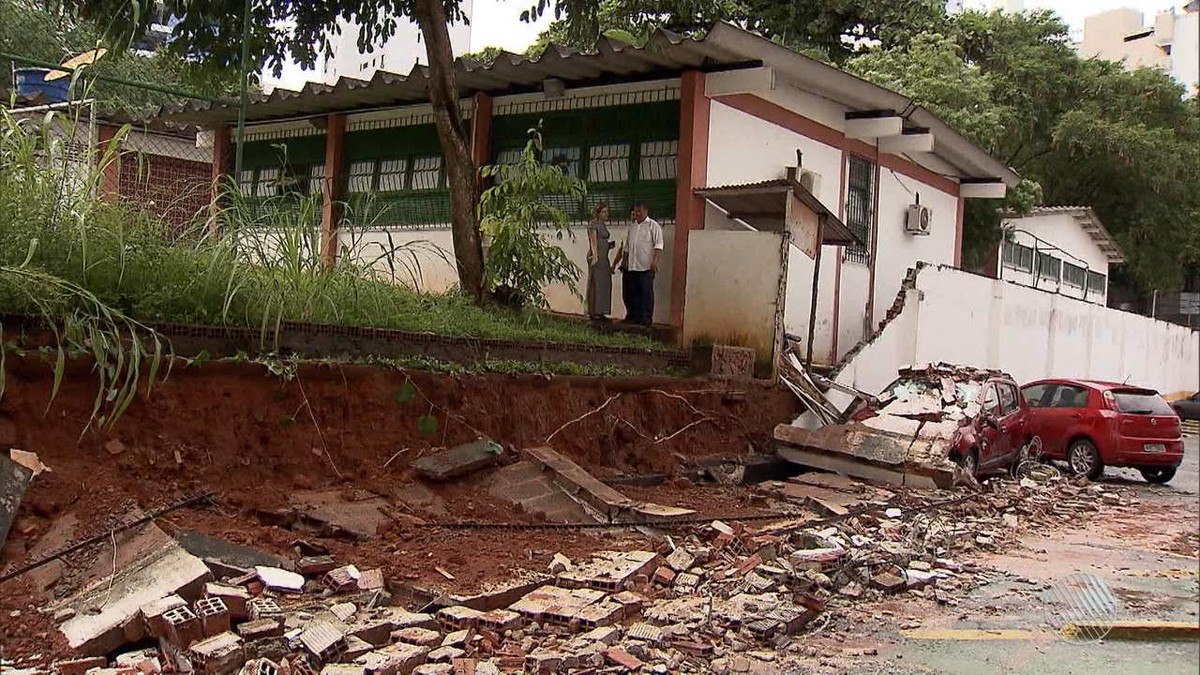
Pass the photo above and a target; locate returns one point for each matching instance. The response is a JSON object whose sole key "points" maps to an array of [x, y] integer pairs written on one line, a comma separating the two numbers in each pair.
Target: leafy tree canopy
{"points": [[31, 29], [1081, 132], [835, 28]]}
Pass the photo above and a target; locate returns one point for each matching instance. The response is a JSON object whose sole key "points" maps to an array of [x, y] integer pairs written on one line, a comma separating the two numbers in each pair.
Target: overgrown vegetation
{"points": [[261, 268], [521, 201]]}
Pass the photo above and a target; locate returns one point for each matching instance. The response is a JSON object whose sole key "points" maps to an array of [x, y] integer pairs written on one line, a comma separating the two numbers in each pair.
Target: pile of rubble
{"points": [[720, 597], [905, 433]]}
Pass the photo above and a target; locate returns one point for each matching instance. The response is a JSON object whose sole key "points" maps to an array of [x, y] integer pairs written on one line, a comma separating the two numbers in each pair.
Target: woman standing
{"points": [[599, 283]]}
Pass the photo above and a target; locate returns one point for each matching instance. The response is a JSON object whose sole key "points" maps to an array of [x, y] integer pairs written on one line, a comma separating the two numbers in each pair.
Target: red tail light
{"points": [[1110, 401]]}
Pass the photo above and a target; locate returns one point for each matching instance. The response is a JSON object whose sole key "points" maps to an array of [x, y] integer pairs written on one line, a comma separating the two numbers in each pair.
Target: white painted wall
{"points": [[962, 318], [896, 250], [424, 260], [745, 149], [1059, 235], [740, 310]]}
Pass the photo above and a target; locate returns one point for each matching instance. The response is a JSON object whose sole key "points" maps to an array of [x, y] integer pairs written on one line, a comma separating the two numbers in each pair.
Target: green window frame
{"points": [[1096, 282], [625, 153], [396, 176]]}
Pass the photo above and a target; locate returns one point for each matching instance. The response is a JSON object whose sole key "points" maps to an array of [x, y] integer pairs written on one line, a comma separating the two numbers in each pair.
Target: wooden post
{"points": [[692, 174], [110, 173], [220, 166], [331, 192], [481, 130], [816, 283]]}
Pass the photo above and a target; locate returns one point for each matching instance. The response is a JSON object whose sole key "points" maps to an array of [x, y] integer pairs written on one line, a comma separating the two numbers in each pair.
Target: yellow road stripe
{"points": [[1136, 630], [971, 634]]}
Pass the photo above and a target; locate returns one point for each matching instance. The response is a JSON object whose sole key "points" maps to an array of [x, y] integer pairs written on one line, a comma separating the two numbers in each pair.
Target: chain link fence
{"points": [[101, 107]]}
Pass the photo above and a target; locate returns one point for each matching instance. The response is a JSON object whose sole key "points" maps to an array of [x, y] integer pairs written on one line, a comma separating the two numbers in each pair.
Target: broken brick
{"points": [[623, 658], [214, 616], [182, 627], [314, 565], [79, 666]]}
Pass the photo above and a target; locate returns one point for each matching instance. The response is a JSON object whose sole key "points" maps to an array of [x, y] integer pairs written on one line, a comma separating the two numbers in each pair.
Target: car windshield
{"points": [[1142, 402]]}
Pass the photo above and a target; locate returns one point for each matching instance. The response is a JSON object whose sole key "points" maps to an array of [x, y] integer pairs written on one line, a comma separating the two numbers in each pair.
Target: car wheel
{"points": [[1084, 459], [1158, 474], [970, 463]]}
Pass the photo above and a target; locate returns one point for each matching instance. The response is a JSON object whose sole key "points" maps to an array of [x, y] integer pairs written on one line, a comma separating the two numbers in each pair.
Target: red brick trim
{"points": [[110, 173], [694, 108], [837, 279], [780, 116], [958, 232], [481, 130], [331, 198]]}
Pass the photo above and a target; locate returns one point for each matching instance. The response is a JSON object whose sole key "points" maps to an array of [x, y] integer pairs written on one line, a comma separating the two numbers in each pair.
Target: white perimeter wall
{"points": [[425, 261], [962, 318]]}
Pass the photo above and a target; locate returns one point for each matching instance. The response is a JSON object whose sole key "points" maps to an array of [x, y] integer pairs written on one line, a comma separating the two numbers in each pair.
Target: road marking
{"points": [[1136, 630], [972, 634]]}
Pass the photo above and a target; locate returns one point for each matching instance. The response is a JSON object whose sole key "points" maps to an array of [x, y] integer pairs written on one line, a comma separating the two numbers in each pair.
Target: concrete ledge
{"points": [[1135, 630]]}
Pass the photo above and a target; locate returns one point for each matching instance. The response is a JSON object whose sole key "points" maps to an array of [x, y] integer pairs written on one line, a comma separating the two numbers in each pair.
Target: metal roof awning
{"points": [[763, 206]]}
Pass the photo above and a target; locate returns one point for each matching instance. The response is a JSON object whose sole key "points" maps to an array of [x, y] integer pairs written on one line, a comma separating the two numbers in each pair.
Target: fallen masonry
{"points": [[706, 598]]}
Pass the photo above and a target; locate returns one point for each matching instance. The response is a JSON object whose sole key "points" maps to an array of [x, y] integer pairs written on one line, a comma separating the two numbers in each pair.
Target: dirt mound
{"points": [[259, 440]]}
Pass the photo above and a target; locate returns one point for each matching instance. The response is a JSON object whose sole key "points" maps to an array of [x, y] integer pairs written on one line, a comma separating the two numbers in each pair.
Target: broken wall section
{"points": [[958, 317]]}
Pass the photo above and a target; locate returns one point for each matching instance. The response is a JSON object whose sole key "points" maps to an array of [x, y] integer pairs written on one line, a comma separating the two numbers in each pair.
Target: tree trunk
{"points": [[461, 171]]}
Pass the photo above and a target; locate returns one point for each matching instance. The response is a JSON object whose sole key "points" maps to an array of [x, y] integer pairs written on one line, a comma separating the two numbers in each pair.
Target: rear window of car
{"points": [[1142, 403]]}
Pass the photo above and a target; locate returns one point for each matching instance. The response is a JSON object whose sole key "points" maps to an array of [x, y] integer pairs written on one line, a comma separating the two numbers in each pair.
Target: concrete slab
{"points": [[357, 515], [14, 480], [458, 461], [580, 484], [856, 450], [235, 555], [155, 566]]}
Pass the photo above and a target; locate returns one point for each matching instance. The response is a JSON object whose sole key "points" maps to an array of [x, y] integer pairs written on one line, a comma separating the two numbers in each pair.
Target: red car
{"points": [[991, 440], [1094, 424]]}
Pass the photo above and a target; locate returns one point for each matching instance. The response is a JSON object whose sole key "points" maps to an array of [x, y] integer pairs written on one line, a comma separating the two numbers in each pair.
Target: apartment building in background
{"points": [[1171, 42], [397, 54]]}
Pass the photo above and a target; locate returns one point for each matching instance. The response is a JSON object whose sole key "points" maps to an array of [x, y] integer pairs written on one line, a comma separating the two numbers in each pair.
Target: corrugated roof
{"points": [[666, 54], [1090, 223]]}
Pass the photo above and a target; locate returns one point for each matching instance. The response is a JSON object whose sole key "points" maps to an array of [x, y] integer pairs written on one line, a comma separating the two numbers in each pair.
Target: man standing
{"points": [[639, 259]]}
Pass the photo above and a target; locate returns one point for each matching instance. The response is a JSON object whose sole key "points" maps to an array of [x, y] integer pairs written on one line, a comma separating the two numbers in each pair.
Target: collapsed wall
{"points": [[947, 315]]}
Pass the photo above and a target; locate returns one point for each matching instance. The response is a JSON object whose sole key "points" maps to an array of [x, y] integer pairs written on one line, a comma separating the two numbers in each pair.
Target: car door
{"points": [[1038, 396], [1011, 422], [987, 427], [1061, 420]]}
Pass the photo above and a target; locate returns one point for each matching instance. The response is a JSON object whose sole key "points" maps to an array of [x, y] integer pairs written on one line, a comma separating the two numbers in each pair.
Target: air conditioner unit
{"points": [[810, 180], [916, 221]]}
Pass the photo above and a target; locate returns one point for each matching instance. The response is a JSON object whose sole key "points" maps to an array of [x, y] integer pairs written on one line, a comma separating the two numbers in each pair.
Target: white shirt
{"points": [[642, 240]]}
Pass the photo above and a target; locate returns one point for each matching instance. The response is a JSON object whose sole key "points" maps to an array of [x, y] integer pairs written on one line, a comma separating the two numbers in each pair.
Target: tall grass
{"points": [[259, 268]]}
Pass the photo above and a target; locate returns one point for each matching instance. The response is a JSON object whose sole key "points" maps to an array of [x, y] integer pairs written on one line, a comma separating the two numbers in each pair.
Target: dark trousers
{"points": [[637, 290]]}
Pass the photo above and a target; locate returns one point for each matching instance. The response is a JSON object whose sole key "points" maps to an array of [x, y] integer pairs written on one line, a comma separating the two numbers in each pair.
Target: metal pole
{"points": [[1154, 305], [241, 124]]}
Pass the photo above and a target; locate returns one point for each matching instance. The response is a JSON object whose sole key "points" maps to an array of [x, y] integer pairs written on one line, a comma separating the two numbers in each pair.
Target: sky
{"points": [[497, 22]]}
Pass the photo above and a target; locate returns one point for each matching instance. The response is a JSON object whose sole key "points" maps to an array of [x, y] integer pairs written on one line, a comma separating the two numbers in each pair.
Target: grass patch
{"points": [[260, 269]]}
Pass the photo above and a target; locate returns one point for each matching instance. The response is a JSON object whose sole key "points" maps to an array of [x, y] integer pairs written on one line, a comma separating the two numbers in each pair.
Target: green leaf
{"points": [[405, 393], [427, 425]]}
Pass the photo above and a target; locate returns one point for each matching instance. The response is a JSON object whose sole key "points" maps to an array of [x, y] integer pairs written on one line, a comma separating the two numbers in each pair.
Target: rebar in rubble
{"points": [[186, 501]]}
